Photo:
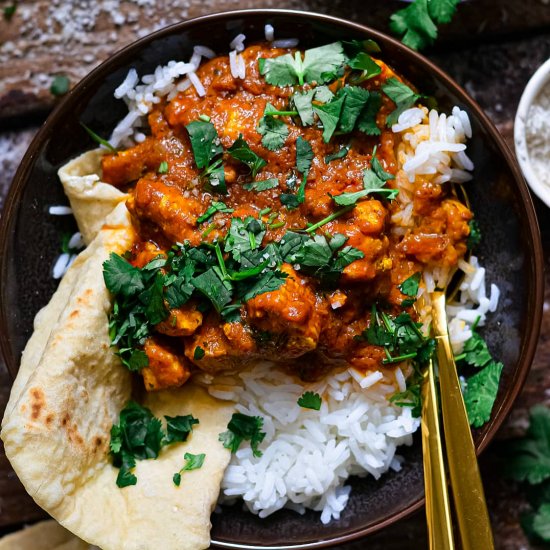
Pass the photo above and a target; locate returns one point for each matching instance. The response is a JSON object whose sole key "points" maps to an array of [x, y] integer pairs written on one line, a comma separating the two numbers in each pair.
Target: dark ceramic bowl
{"points": [[510, 249]]}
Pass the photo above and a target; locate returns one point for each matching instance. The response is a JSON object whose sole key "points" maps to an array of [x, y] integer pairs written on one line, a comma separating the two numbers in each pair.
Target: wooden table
{"points": [[492, 48]]}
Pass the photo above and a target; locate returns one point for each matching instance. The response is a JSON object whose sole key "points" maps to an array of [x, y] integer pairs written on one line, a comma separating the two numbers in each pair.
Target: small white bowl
{"points": [[534, 86]]}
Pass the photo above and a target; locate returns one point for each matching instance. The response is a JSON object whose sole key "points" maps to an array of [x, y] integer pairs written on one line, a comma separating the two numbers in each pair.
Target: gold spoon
{"points": [[468, 496]]}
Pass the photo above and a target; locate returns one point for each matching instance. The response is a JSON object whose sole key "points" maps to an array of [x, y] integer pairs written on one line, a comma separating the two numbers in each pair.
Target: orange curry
{"points": [[305, 324]]}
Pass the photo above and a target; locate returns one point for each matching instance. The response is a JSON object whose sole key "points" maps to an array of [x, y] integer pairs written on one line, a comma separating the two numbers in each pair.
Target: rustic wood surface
{"points": [[492, 48]]}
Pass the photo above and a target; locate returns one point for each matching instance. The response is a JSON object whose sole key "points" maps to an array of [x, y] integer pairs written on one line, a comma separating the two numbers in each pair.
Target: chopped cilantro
{"points": [[304, 157], [310, 400], [216, 206], [212, 286], [475, 352], [261, 185], [98, 139], [317, 64], [417, 22], [9, 11], [240, 150], [60, 85], [409, 287], [303, 103], [139, 436], [474, 238], [366, 122], [121, 277], [401, 95], [178, 428], [163, 168], [355, 100], [241, 428], [341, 153], [198, 353], [273, 131], [193, 462], [365, 63]]}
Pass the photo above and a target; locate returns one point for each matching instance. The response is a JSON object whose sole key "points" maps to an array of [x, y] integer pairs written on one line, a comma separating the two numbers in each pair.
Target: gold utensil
{"points": [[440, 530], [468, 497]]}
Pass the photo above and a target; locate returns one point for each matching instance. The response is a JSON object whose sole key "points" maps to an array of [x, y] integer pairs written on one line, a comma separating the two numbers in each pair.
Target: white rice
{"points": [[286, 43], [60, 210], [269, 33], [308, 455], [237, 43]]}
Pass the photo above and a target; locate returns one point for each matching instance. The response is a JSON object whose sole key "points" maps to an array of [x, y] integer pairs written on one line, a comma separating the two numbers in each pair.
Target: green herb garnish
{"points": [[317, 64], [341, 153], [60, 85], [417, 22], [310, 400], [240, 150], [163, 168], [198, 353], [241, 428], [216, 206], [98, 139], [401, 95], [474, 238], [193, 462], [139, 436], [261, 185], [304, 157], [273, 131]]}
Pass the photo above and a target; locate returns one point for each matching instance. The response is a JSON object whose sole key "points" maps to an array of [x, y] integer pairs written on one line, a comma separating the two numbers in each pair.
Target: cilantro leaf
{"points": [[401, 95], [121, 277], [310, 400], [288, 70], [273, 131], [214, 288], [341, 153], [304, 155], [244, 235], [303, 104], [415, 23], [540, 522], [365, 63], [241, 428], [366, 122], [9, 11], [409, 287], [98, 139], [193, 462], [198, 353], [355, 100], [178, 428], [163, 168], [530, 457], [240, 150], [216, 206], [138, 435], [481, 392], [268, 282], [204, 142], [153, 299], [261, 185], [329, 113], [476, 352], [474, 238]]}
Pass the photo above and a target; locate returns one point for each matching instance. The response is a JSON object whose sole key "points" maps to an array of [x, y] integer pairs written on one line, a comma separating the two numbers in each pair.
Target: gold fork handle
{"points": [[468, 496], [440, 531]]}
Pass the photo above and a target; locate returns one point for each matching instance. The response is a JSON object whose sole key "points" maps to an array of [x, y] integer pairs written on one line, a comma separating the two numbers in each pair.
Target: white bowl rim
{"points": [[534, 86]]}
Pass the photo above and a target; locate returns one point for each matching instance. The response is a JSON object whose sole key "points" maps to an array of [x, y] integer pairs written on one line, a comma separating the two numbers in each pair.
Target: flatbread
{"points": [[46, 535], [68, 393], [91, 199]]}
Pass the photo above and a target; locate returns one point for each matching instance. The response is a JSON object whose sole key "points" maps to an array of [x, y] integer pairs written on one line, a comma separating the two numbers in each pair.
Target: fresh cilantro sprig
{"points": [[310, 400], [417, 22], [527, 460], [316, 66], [139, 435], [273, 130], [192, 462], [241, 428], [409, 287]]}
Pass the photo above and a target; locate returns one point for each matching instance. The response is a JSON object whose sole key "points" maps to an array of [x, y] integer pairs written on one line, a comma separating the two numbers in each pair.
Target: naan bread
{"points": [[46, 535], [68, 393]]}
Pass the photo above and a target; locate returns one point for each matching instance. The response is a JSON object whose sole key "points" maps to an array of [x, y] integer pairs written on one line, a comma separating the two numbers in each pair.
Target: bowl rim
{"points": [[540, 77], [535, 261]]}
